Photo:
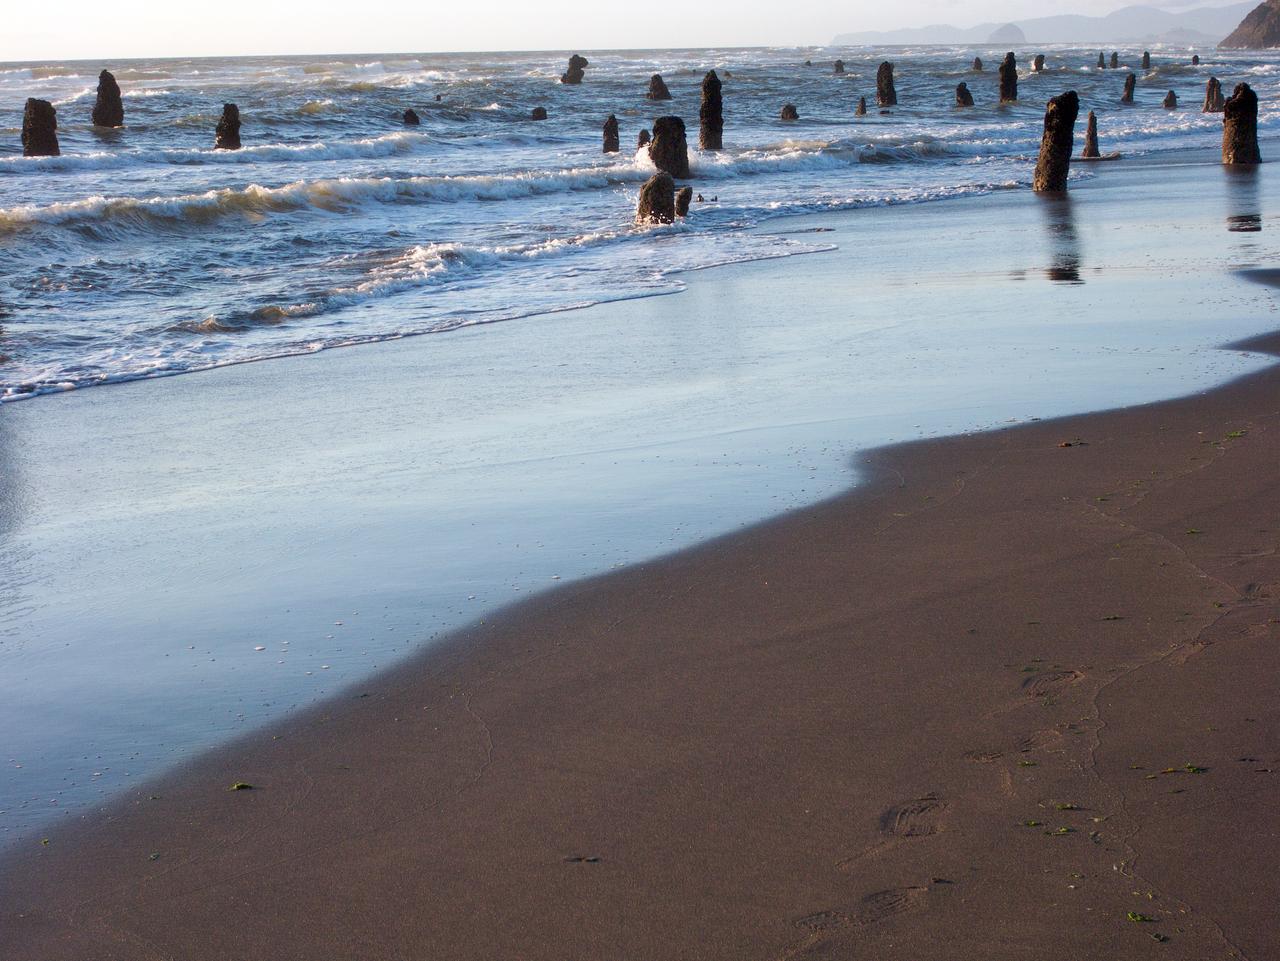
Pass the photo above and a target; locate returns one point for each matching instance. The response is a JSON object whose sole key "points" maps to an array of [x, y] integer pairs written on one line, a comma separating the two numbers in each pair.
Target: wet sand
{"points": [[1014, 689], [1013, 697]]}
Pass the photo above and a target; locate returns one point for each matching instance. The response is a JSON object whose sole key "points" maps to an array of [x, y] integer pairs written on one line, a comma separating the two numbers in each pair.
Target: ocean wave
{"points": [[388, 145]]}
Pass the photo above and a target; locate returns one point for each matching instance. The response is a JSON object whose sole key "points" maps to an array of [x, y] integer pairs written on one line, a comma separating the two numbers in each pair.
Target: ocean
{"points": [[143, 252]]}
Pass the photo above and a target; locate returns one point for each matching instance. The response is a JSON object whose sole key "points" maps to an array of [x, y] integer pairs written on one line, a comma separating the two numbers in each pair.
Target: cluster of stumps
{"points": [[661, 202]]}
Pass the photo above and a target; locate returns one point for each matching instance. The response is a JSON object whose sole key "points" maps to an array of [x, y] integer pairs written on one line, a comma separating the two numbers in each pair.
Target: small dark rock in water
{"points": [[611, 142], [668, 149], [839, 68], [808, 63], [577, 70], [657, 88], [886, 93], [657, 200], [1054, 162], [1009, 78], [684, 197], [1195, 60], [1102, 61], [862, 107], [1239, 127], [711, 114], [1037, 65], [1130, 82], [789, 112], [227, 136], [40, 129], [108, 111], [977, 64], [1091, 138], [439, 97], [642, 139], [539, 113], [1146, 60], [1115, 61], [411, 118], [963, 97], [1213, 100], [700, 199], [1170, 101]]}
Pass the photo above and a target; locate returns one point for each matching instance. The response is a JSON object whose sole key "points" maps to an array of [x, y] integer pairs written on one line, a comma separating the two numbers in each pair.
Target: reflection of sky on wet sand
{"points": [[152, 536]]}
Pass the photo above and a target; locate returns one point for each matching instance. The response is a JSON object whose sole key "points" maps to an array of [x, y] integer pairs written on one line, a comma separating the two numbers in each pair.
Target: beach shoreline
{"points": [[1009, 695]]}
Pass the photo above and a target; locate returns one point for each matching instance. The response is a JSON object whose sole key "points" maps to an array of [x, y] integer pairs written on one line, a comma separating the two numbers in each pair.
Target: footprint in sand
{"points": [[885, 904], [983, 757], [1053, 682], [828, 931], [917, 818]]}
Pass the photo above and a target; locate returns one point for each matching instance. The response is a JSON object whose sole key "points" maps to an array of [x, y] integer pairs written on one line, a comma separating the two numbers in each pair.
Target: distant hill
{"points": [[1206, 25]]}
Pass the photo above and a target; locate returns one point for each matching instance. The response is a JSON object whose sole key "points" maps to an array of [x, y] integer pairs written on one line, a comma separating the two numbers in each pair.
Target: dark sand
{"points": [[827, 737]]}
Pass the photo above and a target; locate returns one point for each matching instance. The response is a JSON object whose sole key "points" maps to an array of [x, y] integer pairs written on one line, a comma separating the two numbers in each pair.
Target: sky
{"points": [[99, 29]]}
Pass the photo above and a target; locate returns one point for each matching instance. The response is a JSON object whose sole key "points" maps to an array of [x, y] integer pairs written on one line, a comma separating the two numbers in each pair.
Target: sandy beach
{"points": [[1012, 696]]}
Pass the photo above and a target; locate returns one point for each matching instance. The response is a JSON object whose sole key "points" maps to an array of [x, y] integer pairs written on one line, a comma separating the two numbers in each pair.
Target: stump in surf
{"points": [[1170, 101], [227, 135], [108, 109], [1130, 84], [861, 110], [611, 141], [839, 66], [642, 139], [657, 88], [684, 197], [1240, 127], [711, 114], [1054, 162], [1091, 151], [1213, 99], [886, 92], [668, 149], [577, 70], [1037, 65], [1115, 61], [411, 118], [657, 200], [977, 65], [789, 112], [1009, 78], [1146, 60], [963, 97], [538, 113], [1102, 61], [1195, 60], [40, 129]]}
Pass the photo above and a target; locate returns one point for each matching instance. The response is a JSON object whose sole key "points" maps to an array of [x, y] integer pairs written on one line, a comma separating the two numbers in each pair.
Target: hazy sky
{"points": [[98, 29]]}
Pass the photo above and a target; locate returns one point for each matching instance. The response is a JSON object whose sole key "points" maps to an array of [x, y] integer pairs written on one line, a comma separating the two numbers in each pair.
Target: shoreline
{"points": [[324, 513], [814, 737]]}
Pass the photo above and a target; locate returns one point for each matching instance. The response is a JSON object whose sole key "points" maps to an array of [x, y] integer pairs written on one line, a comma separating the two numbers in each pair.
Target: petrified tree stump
{"points": [[1240, 127], [977, 64], [861, 110], [657, 200], [611, 142], [1130, 84], [789, 112], [657, 88], [40, 129], [577, 70], [538, 113], [1146, 60], [1091, 138], [1055, 145], [963, 97], [668, 149], [108, 110], [1037, 65], [227, 136], [1009, 78], [1213, 100], [642, 139], [886, 93], [684, 197], [1115, 61], [711, 114], [839, 66], [1170, 101], [411, 118]]}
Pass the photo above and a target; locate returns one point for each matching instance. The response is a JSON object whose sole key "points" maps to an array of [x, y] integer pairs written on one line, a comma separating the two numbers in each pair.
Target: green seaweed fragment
{"points": [[241, 786], [1139, 918], [1060, 832]]}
